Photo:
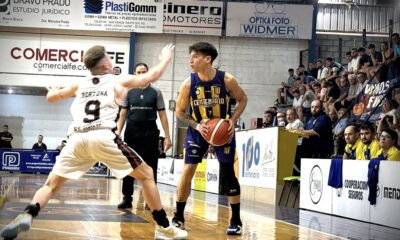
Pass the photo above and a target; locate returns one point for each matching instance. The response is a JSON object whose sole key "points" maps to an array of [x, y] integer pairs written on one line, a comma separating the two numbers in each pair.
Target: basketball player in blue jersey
{"points": [[92, 138], [208, 92]]}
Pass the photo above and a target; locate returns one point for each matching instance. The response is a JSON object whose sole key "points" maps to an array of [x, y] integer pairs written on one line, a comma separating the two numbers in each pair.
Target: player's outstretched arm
{"points": [[142, 80], [58, 93]]}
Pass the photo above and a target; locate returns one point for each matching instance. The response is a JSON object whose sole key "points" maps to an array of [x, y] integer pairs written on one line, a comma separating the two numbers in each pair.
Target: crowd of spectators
{"points": [[317, 104]]}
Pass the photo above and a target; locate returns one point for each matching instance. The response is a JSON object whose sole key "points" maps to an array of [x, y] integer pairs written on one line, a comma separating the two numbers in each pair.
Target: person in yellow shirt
{"points": [[388, 143], [370, 144], [354, 146]]}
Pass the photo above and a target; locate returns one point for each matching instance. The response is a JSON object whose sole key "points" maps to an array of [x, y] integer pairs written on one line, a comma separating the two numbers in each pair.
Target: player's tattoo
{"points": [[186, 119]]}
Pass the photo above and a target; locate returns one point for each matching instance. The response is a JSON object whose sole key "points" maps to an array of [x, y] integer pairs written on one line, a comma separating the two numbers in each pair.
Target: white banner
{"points": [[352, 200], [258, 154], [193, 17], [116, 15], [264, 20], [57, 55], [315, 194]]}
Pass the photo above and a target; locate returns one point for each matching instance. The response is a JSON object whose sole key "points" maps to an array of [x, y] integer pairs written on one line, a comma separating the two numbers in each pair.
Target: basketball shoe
{"points": [[170, 232], [20, 224], [179, 223], [234, 229]]}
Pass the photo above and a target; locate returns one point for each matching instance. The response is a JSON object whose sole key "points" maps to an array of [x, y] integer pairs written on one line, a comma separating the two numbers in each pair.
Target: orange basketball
{"points": [[218, 134]]}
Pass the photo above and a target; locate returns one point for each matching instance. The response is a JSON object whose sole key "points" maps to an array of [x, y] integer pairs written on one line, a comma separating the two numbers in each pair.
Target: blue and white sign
{"points": [[27, 160], [265, 20], [257, 157], [115, 15]]}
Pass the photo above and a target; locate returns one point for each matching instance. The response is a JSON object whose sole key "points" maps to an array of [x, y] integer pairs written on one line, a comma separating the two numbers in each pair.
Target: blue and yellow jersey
{"points": [[209, 99]]}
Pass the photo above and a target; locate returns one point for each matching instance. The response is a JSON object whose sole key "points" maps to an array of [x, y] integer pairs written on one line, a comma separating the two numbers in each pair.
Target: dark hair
{"points": [[368, 126], [393, 134], [301, 66], [371, 46], [384, 42], [64, 141], [354, 49], [362, 73], [5, 125], [329, 59], [296, 91], [316, 85], [290, 70], [93, 56], [204, 48], [141, 64], [319, 60], [348, 53], [361, 49], [395, 35]]}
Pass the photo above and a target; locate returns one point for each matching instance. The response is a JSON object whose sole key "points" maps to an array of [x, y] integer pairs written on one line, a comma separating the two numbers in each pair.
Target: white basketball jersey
{"points": [[94, 106]]}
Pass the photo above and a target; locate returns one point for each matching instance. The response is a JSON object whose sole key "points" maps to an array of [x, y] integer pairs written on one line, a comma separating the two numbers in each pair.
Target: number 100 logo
{"points": [[251, 153]]}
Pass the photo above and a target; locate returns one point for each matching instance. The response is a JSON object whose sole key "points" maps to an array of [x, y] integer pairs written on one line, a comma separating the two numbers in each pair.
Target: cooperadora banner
{"points": [[265, 20], [56, 54], [116, 15]]}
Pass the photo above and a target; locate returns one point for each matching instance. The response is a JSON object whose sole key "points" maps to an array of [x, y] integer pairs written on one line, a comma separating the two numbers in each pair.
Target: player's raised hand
{"points": [[167, 53]]}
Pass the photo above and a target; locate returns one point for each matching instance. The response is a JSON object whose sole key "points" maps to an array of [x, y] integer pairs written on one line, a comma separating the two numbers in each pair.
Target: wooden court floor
{"points": [[86, 209]]}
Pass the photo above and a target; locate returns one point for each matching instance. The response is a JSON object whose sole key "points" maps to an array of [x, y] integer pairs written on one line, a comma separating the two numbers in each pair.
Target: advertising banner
{"points": [[265, 20], [116, 15], [315, 194], [41, 54], [27, 160], [352, 200], [193, 17], [258, 153]]}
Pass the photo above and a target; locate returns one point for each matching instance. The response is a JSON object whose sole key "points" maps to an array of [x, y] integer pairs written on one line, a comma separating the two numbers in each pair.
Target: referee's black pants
{"points": [[147, 148]]}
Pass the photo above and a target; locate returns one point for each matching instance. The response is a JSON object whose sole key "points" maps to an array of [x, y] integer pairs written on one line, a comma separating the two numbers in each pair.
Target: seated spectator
{"points": [[344, 92], [294, 124], [388, 142], [306, 97], [268, 119], [354, 147], [306, 79], [362, 79], [283, 92], [332, 93], [317, 90], [354, 90], [338, 131], [363, 63], [332, 113], [387, 55], [322, 72], [5, 137], [313, 70], [394, 66], [352, 66], [370, 144], [388, 110], [281, 119], [374, 61], [40, 145], [334, 69], [61, 146], [324, 91]]}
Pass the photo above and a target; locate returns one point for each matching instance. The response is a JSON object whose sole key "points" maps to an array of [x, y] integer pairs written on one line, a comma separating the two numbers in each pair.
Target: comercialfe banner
{"points": [[117, 15]]}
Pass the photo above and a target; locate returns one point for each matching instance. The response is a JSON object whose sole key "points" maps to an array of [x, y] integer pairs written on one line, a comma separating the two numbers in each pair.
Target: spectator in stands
{"points": [[5, 137], [40, 145], [354, 147], [322, 72], [332, 115], [334, 69], [306, 96], [387, 55], [388, 110], [354, 89], [317, 90], [313, 70], [338, 131], [374, 60], [332, 93], [344, 92], [352, 66], [324, 91], [363, 63], [362, 79], [306, 79], [61, 146], [294, 124], [281, 119], [268, 119], [370, 144], [394, 68], [319, 132], [301, 69], [284, 92], [388, 142], [397, 99]]}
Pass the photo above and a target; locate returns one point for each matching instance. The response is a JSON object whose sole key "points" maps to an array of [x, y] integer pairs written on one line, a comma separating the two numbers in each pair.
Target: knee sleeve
{"points": [[33, 209], [229, 179]]}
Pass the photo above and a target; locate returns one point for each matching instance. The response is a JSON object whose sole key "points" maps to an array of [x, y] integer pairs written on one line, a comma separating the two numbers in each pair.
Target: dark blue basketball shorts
{"points": [[196, 147]]}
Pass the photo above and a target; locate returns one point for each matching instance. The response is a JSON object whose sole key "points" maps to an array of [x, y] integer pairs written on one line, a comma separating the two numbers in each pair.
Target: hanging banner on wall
{"points": [[57, 55], [264, 20], [115, 15], [257, 157], [193, 17]]}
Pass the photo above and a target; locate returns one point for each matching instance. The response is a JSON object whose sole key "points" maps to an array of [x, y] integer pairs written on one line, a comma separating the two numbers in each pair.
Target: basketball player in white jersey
{"points": [[95, 112]]}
